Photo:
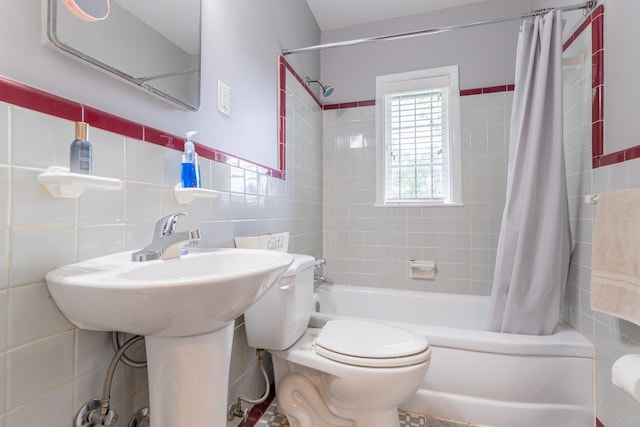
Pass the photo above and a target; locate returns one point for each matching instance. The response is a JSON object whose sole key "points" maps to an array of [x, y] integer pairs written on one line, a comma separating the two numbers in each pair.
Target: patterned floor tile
{"points": [[272, 418]]}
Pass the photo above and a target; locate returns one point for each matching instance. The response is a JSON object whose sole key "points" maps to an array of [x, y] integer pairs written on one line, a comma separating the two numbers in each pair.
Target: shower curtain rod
{"points": [[590, 4]]}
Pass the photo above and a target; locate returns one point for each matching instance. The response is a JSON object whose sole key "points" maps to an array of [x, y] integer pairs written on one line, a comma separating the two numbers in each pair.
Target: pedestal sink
{"points": [[185, 308]]}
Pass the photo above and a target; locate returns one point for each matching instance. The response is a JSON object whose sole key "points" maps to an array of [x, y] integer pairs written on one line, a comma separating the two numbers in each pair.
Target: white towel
{"points": [[615, 261]]}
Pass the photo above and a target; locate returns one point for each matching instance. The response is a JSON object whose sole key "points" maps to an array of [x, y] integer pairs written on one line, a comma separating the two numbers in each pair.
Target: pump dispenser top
{"points": [[190, 167]]}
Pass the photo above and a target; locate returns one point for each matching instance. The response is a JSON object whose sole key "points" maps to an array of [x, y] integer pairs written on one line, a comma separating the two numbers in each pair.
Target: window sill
{"points": [[418, 205]]}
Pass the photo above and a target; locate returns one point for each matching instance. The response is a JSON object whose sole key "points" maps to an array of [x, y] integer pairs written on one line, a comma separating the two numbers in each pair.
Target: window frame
{"points": [[420, 80]]}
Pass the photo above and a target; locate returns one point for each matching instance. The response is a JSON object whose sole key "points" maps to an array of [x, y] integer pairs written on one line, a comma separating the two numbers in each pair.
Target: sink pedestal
{"points": [[188, 379]]}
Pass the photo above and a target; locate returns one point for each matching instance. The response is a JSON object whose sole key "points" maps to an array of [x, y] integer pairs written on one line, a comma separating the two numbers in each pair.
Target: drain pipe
{"points": [[97, 412], [235, 410]]}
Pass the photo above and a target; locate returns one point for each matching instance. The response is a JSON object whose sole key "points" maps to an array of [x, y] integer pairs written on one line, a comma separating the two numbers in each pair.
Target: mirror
{"points": [[89, 10], [154, 44]]}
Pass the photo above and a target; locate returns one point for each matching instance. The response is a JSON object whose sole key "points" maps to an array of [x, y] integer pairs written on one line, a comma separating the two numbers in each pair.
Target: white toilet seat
{"points": [[371, 344]]}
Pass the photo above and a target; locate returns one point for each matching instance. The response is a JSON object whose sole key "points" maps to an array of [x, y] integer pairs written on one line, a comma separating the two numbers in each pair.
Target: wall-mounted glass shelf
{"points": [[184, 196], [59, 183]]}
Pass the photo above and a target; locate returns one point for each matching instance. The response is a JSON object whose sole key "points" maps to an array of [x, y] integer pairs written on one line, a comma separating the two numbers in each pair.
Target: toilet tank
{"points": [[281, 315]]}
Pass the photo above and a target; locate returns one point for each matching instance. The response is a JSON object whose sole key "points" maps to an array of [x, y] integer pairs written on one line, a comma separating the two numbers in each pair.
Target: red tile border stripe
{"points": [[111, 123], [599, 159], [463, 92], [25, 96]]}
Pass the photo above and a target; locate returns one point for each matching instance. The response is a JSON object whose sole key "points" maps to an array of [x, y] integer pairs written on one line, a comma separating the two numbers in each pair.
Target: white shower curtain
{"points": [[535, 237]]}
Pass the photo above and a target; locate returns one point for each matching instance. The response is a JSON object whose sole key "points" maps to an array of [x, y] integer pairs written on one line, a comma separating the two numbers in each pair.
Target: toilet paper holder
{"points": [[625, 373], [422, 270]]}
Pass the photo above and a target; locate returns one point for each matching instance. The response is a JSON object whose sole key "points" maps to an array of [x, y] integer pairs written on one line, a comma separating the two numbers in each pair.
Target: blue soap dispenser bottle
{"points": [[190, 167], [80, 151]]}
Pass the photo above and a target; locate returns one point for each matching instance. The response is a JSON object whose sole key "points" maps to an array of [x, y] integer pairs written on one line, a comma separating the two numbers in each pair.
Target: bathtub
{"points": [[477, 376]]}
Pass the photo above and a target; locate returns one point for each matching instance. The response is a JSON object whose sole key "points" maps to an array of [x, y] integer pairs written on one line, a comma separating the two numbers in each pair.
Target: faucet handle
{"points": [[320, 262], [166, 225]]}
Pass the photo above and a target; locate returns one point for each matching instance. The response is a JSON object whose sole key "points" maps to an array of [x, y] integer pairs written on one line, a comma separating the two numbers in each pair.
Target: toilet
{"points": [[349, 373]]}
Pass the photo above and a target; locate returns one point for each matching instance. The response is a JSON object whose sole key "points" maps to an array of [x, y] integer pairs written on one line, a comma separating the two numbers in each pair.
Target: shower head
{"points": [[326, 90]]}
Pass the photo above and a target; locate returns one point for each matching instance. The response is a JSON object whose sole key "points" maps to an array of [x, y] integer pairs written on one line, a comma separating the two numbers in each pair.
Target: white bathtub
{"points": [[476, 376]]}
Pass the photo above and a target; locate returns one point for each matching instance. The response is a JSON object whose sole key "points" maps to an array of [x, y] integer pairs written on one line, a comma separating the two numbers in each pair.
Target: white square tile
{"points": [[92, 349], [170, 205], [236, 180], [220, 176], [144, 162], [138, 236], [5, 198], [495, 100], [633, 173], [40, 140], [477, 117], [107, 153], [99, 240], [4, 258], [474, 102], [496, 116], [199, 209], [172, 167], [251, 182], [4, 294], [101, 207], [90, 385], [618, 176], [35, 251], [40, 367], [237, 205], [33, 315], [30, 205], [143, 202], [4, 133], [52, 409], [221, 207]]}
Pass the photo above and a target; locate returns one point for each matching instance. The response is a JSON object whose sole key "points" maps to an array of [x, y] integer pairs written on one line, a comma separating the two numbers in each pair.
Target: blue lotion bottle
{"points": [[80, 151], [190, 167]]}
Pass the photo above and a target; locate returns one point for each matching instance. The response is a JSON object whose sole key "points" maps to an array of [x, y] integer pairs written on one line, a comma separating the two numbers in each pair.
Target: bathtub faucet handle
{"points": [[320, 262]]}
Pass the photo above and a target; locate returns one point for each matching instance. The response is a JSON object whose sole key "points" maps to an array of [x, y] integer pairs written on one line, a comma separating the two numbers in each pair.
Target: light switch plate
{"points": [[224, 99]]}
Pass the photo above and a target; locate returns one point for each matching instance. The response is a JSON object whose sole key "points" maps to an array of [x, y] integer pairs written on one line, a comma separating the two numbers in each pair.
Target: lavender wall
{"points": [[241, 41], [486, 54]]}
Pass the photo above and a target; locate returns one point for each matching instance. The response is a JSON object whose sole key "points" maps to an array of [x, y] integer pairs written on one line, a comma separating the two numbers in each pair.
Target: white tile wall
{"points": [[612, 337], [370, 246], [4, 133], [48, 369]]}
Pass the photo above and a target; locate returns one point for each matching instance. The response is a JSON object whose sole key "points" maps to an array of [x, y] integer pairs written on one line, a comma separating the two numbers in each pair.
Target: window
{"points": [[417, 128]]}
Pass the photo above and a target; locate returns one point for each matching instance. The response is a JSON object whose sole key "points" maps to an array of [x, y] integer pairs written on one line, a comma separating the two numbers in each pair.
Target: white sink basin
{"points": [[195, 294], [185, 307]]}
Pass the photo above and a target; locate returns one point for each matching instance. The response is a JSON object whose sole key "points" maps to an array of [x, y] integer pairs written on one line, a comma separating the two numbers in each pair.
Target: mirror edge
{"points": [[69, 51]]}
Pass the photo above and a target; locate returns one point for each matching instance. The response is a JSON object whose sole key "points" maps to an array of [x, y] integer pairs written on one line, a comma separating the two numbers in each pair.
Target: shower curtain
{"points": [[532, 261]]}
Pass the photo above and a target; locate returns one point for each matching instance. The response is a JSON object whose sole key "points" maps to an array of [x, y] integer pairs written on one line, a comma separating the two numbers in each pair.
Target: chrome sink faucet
{"points": [[167, 243]]}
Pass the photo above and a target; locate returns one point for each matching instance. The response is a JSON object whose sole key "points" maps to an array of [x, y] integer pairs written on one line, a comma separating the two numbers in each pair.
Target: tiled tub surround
{"points": [[612, 337], [371, 246], [50, 368]]}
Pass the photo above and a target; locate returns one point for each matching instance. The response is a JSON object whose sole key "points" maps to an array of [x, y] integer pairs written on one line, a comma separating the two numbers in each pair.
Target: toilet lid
{"points": [[366, 343]]}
